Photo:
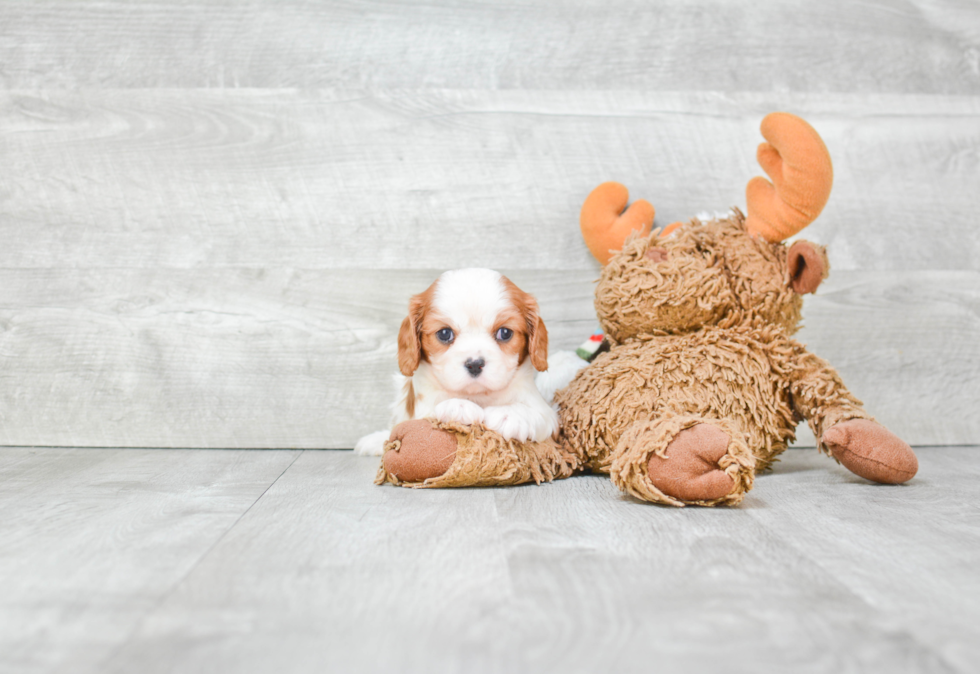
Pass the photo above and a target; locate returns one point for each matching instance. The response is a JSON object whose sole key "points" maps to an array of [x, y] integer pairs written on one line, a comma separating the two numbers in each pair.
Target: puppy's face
{"points": [[475, 329]]}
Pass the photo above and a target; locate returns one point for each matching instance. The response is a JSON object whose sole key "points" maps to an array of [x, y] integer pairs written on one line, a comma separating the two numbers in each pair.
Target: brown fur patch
{"points": [[517, 345], [411, 349], [534, 331], [410, 399], [432, 322]]}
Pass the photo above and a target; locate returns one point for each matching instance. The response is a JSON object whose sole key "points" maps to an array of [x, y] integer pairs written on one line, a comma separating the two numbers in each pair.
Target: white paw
{"points": [[372, 444], [510, 422], [459, 410]]}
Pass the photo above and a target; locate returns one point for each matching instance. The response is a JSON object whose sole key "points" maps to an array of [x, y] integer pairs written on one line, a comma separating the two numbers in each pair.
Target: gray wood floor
{"points": [[133, 560]]}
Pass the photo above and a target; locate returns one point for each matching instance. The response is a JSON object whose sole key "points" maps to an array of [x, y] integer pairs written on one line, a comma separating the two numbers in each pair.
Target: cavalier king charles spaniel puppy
{"points": [[468, 351]]}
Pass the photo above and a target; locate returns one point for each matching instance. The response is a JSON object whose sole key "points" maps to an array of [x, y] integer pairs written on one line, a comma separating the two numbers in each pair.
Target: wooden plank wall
{"points": [[213, 213]]}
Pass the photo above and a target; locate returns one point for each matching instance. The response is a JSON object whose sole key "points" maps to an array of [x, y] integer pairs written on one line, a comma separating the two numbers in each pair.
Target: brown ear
{"points": [[537, 342], [537, 334], [409, 343], [807, 266]]}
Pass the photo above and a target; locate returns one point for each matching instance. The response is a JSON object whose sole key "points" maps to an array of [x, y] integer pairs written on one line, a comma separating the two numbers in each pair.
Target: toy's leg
{"points": [[846, 431], [417, 451], [870, 450], [428, 453], [684, 460]]}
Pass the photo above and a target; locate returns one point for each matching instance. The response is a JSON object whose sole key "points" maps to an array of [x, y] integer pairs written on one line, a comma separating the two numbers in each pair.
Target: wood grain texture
{"points": [[443, 179], [213, 213], [218, 358], [92, 540], [817, 571], [911, 46], [900, 565], [907, 345], [304, 358]]}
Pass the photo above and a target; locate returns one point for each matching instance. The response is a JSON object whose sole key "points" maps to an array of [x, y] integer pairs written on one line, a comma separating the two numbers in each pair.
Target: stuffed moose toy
{"points": [[702, 384]]}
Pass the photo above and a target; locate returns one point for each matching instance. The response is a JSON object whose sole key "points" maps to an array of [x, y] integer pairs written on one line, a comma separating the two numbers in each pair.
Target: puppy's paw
{"points": [[459, 410], [510, 421], [372, 444]]}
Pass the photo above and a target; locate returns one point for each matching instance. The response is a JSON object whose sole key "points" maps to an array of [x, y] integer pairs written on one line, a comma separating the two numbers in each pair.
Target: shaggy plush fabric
{"points": [[644, 441], [706, 273], [701, 332], [483, 458]]}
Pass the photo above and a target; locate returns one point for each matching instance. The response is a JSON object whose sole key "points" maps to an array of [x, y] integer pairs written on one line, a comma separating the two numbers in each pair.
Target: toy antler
{"points": [[798, 162], [605, 226]]}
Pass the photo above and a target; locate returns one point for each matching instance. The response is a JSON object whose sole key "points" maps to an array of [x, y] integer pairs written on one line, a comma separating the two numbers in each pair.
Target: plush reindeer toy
{"points": [[703, 384]]}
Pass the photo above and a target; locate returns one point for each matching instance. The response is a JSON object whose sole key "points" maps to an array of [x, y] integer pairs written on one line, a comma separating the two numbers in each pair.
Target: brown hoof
{"points": [[872, 451], [691, 471], [422, 451]]}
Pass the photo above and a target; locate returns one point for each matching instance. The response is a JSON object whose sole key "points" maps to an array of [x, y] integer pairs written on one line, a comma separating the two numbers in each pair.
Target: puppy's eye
{"points": [[445, 336], [504, 334]]}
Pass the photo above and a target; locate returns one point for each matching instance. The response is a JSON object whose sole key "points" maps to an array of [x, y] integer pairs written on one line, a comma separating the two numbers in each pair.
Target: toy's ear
{"points": [[605, 225], [798, 162], [806, 266], [409, 342]]}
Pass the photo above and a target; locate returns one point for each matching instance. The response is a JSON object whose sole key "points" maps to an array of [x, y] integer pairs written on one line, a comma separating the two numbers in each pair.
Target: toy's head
{"points": [[719, 272], [705, 273]]}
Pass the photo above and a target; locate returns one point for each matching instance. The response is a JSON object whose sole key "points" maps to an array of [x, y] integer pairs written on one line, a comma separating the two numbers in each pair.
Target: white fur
{"points": [[372, 444], [709, 216], [562, 368], [503, 397]]}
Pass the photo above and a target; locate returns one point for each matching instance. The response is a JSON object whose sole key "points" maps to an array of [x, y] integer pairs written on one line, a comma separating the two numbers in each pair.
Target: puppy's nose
{"points": [[474, 367]]}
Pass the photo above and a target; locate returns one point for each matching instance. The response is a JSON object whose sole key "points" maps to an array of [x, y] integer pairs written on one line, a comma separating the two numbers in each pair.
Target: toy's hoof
{"points": [[691, 471], [872, 451], [420, 451]]}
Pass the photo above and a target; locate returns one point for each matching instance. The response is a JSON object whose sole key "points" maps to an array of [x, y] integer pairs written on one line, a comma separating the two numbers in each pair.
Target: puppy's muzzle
{"points": [[474, 366]]}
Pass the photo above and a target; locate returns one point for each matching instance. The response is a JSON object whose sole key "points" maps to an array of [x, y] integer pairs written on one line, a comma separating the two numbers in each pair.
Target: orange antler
{"points": [[605, 226], [798, 162]]}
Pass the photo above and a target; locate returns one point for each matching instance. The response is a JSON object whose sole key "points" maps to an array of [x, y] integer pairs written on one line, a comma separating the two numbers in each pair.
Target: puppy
{"points": [[468, 351]]}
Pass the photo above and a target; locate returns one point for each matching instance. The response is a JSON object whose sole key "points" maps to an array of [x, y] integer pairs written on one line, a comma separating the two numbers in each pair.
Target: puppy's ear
{"points": [[537, 334], [409, 338], [537, 337]]}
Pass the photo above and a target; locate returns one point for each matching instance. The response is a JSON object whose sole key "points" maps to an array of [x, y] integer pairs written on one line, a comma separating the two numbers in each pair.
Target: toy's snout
{"points": [[656, 254], [650, 288]]}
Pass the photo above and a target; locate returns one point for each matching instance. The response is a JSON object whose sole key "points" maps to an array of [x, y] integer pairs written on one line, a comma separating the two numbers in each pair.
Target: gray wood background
{"points": [[213, 213]]}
